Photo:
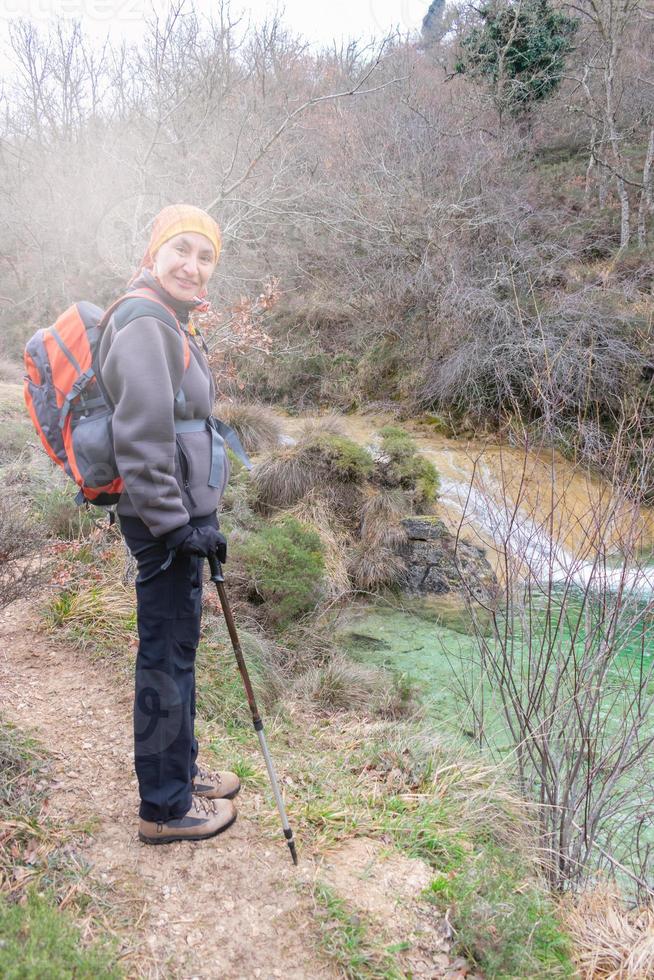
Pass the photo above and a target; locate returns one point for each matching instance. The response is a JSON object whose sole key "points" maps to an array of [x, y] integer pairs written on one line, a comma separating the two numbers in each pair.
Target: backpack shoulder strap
{"points": [[144, 302], [131, 306]]}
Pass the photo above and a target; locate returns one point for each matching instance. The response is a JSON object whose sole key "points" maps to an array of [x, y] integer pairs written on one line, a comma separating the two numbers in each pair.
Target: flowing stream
{"points": [[536, 506], [539, 520]]}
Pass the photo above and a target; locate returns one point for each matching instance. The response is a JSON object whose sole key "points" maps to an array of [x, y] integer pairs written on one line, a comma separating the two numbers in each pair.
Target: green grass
{"points": [[346, 938], [37, 938], [40, 941], [247, 773], [503, 923]]}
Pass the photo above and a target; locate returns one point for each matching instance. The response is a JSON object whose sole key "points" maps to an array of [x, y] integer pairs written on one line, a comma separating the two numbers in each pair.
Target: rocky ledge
{"points": [[438, 564]]}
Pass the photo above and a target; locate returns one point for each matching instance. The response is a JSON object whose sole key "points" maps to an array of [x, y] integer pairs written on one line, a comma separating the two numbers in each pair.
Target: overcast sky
{"points": [[319, 21]]}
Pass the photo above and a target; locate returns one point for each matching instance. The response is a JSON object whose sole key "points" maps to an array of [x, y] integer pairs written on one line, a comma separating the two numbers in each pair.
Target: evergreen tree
{"points": [[519, 48]]}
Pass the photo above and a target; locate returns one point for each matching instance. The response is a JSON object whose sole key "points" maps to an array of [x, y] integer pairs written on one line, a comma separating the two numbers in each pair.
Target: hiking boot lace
{"points": [[206, 776], [204, 806]]}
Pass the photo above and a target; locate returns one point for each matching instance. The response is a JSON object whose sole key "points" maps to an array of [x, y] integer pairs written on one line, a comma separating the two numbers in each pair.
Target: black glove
{"points": [[201, 541]]}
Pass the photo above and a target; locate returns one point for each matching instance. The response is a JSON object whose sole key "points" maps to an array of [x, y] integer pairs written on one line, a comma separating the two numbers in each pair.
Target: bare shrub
{"points": [[257, 427], [564, 677], [22, 545]]}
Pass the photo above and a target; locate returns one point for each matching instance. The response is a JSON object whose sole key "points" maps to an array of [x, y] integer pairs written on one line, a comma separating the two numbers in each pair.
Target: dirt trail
{"points": [[233, 907], [225, 908]]}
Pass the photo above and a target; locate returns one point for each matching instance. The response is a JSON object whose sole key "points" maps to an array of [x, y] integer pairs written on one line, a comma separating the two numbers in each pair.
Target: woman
{"points": [[174, 470]]}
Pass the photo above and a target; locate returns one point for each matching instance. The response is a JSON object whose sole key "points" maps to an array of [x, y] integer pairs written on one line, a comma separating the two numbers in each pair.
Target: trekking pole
{"points": [[217, 577]]}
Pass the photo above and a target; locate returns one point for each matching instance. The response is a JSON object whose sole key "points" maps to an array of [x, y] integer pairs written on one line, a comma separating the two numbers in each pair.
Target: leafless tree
{"points": [[562, 680], [614, 32]]}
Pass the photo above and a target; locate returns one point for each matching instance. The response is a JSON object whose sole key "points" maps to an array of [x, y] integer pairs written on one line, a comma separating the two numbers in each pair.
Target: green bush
{"points": [[404, 466], [519, 51], [284, 567]]}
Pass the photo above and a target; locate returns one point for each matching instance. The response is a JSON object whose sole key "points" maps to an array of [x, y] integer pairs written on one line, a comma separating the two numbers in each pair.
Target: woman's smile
{"points": [[186, 283], [184, 264]]}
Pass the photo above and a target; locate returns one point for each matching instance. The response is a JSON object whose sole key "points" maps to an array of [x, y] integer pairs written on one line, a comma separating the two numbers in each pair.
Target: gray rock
{"points": [[438, 564]]}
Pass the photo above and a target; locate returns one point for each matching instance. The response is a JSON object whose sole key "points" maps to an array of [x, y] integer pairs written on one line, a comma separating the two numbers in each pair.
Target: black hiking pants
{"points": [[169, 607]]}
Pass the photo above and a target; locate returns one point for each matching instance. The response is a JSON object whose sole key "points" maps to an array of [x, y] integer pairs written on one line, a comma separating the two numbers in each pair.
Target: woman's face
{"points": [[183, 265]]}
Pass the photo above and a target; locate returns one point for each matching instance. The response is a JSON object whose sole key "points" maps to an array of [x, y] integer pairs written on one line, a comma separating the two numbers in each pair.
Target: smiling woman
{"points": [[184, 264], [174, 468]]}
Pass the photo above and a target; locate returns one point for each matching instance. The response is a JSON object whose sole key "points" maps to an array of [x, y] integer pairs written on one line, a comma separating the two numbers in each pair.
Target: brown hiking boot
{"points": [[216, 785], [206, 818]]}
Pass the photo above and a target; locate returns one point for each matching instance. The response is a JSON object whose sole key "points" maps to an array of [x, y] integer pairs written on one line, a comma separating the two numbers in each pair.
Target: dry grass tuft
{"points": [[11, 372], [331, 425], [258, 428], [285, 477], [318, 513], [611, 942], [381, 515], [371, 567], [282, 479], [342, 685]]}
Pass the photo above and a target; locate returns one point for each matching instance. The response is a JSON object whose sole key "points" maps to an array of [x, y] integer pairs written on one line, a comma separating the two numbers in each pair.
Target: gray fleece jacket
{"points": [[166, 472]]}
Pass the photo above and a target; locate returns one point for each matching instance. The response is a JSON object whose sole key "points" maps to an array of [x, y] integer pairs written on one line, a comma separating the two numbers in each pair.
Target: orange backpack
{"points": [[65, 397]]}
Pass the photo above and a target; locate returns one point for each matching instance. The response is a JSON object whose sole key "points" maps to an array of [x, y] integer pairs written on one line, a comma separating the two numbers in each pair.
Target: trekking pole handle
{"points": [[215, 568]]}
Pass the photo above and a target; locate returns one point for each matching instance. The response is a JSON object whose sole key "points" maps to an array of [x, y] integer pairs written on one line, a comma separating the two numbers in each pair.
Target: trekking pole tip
{"points": [[288, 834]]}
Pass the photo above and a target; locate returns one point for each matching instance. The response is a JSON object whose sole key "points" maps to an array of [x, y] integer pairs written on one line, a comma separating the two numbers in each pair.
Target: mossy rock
{"points": [[402, 465], [344, 459], [438, 424]]}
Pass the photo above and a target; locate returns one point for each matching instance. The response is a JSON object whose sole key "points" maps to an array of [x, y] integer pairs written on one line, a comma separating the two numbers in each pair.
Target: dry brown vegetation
{"points": [[611, 942], [22, 542], [424, 247], [257, 427]]}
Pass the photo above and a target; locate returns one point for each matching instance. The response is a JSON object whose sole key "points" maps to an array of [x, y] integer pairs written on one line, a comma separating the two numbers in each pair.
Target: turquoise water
{"points": [[424, 650], [441, 657]]}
